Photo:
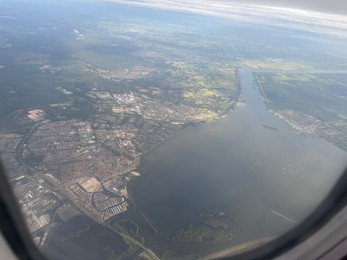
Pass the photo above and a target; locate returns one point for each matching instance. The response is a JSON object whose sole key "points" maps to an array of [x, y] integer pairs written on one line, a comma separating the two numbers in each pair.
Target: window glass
{"points": [[154, 130]]}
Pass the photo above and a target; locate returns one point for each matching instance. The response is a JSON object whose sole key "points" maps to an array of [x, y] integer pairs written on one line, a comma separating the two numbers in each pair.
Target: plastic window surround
{"points": [[15, 231]]}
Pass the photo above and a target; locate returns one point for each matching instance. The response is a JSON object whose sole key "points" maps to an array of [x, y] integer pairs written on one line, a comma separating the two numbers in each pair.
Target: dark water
{"points": [[239, 167], [91, 243], [235, 165]]}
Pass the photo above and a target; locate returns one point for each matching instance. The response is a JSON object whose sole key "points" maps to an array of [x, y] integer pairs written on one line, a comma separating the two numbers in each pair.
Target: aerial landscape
{"points": [[145, 130]]}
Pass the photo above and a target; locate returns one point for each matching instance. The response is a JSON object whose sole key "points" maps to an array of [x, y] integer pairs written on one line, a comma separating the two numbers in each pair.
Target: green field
{"points": [[315, 101]]}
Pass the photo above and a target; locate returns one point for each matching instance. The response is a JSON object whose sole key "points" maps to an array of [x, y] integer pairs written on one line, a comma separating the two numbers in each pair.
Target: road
{"points": [[125, 236], [62, 191]]}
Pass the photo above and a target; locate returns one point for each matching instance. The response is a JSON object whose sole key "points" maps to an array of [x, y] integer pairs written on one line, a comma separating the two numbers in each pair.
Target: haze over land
{"points": [[333, 6], [161, 129], [255, 13]]}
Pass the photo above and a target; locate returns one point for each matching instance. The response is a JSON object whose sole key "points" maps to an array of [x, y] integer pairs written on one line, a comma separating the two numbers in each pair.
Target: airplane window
{"points": [[169, 129]]}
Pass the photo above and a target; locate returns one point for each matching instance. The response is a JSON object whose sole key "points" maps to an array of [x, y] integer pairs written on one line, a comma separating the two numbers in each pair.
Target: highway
{"points": [[62, 191]]}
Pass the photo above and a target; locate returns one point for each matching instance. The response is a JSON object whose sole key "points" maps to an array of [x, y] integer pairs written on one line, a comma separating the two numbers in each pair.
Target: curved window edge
{"points": [[15, 232]]}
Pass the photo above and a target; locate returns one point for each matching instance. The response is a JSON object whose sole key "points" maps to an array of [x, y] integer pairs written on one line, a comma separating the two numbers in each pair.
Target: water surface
{"points": [[247, 165]]}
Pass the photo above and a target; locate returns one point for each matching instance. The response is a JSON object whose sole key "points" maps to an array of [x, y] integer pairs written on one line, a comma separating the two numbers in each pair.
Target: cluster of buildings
{"points": [[39, 202], [307, 124], [85, 164], [150, 108], [135, 72], [101, 204], [301, 123]]}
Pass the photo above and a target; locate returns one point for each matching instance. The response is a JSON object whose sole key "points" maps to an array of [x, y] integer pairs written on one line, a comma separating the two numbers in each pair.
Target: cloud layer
{"points": [[301, 19]]}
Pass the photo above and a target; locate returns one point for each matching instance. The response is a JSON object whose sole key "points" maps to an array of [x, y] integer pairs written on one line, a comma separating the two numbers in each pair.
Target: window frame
{"points": [[14, 229]]}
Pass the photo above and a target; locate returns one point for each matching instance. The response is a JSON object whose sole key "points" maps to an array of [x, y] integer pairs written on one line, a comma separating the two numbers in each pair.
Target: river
{"points": [[249, 165]]}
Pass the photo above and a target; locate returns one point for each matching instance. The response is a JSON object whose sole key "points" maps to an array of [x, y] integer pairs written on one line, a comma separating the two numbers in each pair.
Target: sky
{"points": [[323, 6], [328, 6], [313, 18]]}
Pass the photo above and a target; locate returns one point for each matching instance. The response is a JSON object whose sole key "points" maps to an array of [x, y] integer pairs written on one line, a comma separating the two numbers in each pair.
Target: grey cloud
{"points": [[327, 6]]}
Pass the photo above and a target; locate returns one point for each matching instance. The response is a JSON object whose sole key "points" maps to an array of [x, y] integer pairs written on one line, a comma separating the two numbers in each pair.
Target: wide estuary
{"points": [[249, 165]]}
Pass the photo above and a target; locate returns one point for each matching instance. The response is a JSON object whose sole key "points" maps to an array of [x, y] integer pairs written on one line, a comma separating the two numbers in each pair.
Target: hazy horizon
{"points": [[334, 6], [331, 7]]}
